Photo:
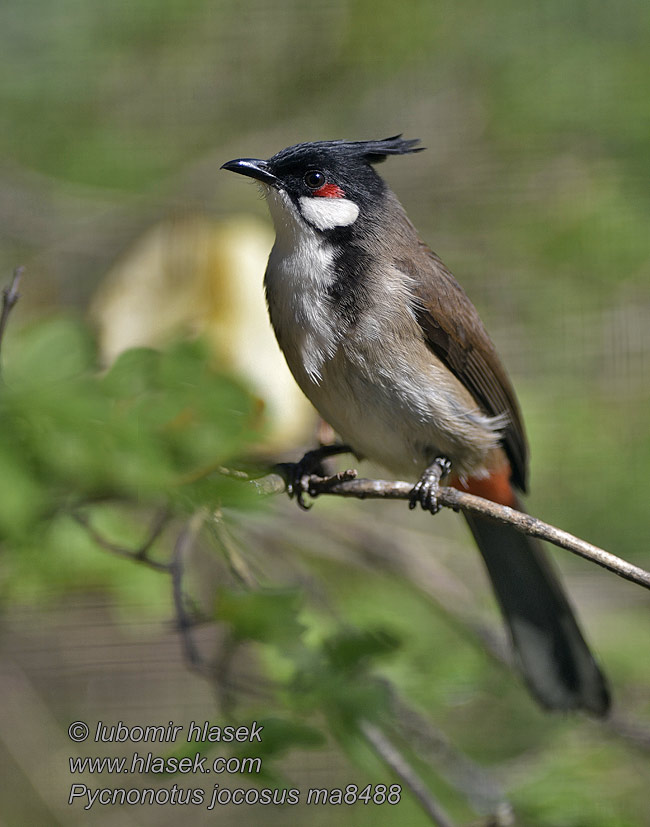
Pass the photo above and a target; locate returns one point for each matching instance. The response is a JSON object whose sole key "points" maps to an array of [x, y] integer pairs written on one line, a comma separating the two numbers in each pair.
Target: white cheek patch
{"points": [[327, 213]]}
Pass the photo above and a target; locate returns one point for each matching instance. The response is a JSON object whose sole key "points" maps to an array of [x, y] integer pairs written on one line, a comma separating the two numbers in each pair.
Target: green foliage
{"points": [[147, 433], [599, 461], [348, 649], [330, 675], [284, 734], [558, 792], [269, 616], [151, 431]]}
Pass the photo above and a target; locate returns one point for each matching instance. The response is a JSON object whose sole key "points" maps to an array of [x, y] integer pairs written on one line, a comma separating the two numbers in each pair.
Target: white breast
{"points": [[298, 277]]}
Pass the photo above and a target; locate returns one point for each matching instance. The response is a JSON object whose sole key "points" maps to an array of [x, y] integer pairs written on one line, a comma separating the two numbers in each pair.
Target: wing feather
{"points": [[455, 333]]}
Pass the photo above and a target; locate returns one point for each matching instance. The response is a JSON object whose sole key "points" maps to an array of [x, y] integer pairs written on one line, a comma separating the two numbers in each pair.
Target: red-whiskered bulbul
{"points": [[390, 350]]}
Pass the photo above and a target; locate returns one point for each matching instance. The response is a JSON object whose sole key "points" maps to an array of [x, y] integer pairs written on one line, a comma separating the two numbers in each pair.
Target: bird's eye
{"points": [[314, 179]]}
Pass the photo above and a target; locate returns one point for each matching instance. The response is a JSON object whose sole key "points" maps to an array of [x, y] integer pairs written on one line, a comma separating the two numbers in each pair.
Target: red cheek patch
{"points": [[330, 191]]}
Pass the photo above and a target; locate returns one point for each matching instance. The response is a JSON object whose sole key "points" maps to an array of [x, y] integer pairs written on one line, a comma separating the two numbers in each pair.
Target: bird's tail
{"points": [[549, 647]]}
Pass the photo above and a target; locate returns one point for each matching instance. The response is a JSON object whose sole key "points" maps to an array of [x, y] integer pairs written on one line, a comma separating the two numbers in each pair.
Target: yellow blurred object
{"points": [[198, 276]]}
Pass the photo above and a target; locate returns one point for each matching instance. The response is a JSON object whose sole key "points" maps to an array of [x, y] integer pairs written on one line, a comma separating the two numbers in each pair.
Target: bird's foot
{"points": [[425, 491], [297, 474]]}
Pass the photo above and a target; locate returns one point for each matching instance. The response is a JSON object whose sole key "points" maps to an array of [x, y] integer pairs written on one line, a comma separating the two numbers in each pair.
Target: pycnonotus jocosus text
{"points": [[390, 350]]}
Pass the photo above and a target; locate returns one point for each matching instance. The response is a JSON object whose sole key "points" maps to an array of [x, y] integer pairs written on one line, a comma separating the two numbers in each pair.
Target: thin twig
{"points": [[182, 548], [460, 500], [402, 769], [235, 560], [10, 296], [222, 674], [140, 554], [476, 783]]}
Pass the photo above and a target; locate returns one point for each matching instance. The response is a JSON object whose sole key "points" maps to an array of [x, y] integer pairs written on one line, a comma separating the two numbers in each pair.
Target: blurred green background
{"points": [[534, 189]]}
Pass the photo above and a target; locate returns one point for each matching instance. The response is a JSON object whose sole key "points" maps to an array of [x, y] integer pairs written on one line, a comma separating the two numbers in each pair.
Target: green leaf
{"points": [[283, 734], [264, 616], [350, 647], [22, 498], [48, 352]]}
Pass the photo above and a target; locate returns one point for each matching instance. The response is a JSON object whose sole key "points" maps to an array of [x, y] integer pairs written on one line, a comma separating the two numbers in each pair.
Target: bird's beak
{"points": [[253, 168]]}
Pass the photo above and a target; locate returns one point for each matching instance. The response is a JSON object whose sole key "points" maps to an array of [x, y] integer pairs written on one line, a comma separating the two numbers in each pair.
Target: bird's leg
{"points": [[297, 474], [425, 491]]}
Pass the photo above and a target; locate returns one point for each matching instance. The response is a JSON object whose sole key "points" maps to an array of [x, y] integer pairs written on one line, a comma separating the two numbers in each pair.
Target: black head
{"points": [[326, 170]]}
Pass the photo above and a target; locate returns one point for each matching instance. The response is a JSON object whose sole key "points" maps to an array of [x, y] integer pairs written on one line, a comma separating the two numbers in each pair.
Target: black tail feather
{"points": [[549, 647]]}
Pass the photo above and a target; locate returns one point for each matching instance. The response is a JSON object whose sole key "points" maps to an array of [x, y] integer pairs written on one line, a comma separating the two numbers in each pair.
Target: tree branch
{"points": [[10, 296], [477, 784], [183, 546], [139, 555], [405, 772], [345, 485]]}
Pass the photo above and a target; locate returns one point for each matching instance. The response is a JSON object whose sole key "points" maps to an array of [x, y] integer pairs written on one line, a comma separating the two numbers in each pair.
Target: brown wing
{"points": [[455, 333]]}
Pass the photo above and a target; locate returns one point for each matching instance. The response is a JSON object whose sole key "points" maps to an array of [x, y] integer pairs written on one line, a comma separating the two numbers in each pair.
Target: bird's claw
{"points": [[425, 491], [297, 474]]}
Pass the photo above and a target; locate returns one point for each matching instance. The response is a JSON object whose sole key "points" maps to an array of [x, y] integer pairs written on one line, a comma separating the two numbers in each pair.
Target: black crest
{"points": [[376, 151], [370, 152]]}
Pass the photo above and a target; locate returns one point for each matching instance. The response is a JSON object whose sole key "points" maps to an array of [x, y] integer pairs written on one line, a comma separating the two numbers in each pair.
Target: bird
{"points": [[392, 353]]}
